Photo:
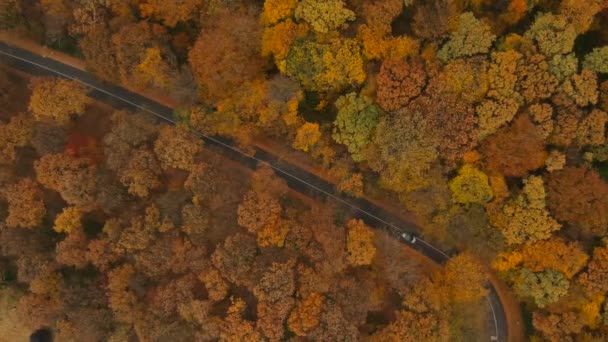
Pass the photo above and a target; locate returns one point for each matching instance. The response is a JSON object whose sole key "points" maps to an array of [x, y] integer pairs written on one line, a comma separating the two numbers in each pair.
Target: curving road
{"points": [[297, 179]]}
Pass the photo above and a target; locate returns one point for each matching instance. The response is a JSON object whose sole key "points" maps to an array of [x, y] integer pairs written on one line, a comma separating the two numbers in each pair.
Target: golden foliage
{"points": [[360, 243], [307, 136], [57, 100], [277, 10], [68, 220], [306, 314]]}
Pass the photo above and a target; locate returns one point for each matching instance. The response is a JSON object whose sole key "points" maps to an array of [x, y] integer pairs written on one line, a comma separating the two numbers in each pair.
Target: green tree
{"points": [[324, 15], [356, 119], [327, 66], [471, 37], [470, 186], [563, 66], [544, 287], [552, 33], [597, 60]]}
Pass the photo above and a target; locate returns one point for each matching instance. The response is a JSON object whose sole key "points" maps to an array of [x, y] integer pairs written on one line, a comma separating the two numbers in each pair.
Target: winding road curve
{"points": [[297, 179]]}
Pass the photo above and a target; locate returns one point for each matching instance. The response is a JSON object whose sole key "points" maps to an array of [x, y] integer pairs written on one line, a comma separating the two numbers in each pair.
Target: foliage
{"points": [[544, 287], [26, 207], [328, 66], [177, 148], [307, 136], [579, 197], [359, 243], [470, 186], [515, 150], [72, 177], [471, 37], [525, 218], [68, 220], [597, 60], [276, 10], [357, 117], [232, 39], [170, 13], [57, 100], [552, 33], [398, 83], [324, 15], [306, 314], [582, 88]]}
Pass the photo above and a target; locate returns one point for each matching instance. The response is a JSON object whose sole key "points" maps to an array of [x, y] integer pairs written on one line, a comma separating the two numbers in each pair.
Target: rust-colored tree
{"points": [[579, 197], [25, 204], [515, 150]]}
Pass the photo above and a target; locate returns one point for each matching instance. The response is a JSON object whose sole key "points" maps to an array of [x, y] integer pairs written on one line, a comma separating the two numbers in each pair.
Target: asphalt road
{"points": [[297, 179]]}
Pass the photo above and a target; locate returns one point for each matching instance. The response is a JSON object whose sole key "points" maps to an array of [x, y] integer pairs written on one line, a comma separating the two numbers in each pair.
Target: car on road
{"points": [[408, 237]]}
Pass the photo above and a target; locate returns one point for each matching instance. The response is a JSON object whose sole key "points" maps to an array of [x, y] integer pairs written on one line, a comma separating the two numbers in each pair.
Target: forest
{"points": [[485, 120]]}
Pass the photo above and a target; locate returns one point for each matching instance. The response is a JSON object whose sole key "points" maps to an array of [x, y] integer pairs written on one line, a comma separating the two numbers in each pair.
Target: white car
{"points": [[408, 237]]}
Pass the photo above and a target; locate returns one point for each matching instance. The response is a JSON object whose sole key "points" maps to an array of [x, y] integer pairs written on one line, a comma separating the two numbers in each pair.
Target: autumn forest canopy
{"points": [[485, 120]]}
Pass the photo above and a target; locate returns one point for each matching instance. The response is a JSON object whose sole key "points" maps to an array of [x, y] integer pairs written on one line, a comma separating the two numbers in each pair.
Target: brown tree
{"points": [[141, 173], [595, 278], [25, 204], [579, 197], [515, 150], [177, 148], [258, 211], [234, 258], [72, 177], [170, 13], [226, 54], [399, 81], [217, 287]]}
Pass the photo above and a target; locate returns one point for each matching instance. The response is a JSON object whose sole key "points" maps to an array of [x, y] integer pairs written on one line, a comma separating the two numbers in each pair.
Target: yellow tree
{"points": [[68, 220], [307, 136], [360, 243], [277, 39], [306, 314], [582, 88], [470, 186], [153, 70], [526, 218], [566, 257], [324, 15], [277, 10], [57, 100]]}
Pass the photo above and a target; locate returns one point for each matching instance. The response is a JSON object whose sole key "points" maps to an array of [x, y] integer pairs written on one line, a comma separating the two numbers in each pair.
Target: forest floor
{"points": [[305, 162]]}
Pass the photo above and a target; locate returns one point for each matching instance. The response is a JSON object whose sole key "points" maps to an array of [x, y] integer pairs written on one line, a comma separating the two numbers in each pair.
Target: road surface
{"points": [[297, 179]]}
